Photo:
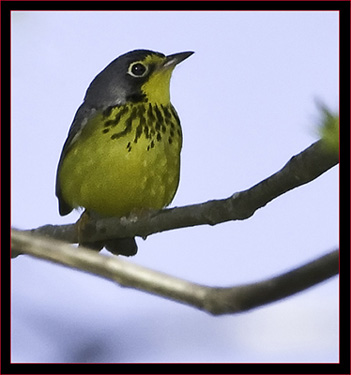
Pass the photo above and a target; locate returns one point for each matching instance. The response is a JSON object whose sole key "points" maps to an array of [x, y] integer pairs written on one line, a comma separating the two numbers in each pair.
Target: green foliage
{"points": [[329, 128]]}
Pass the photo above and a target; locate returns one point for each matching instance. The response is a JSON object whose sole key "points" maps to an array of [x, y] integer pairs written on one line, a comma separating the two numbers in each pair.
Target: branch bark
{"points": [[299, 170], [215, 300]]}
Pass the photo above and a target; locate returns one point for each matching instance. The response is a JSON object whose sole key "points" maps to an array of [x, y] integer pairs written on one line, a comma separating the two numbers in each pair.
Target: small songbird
{"points": [[122, 153]]}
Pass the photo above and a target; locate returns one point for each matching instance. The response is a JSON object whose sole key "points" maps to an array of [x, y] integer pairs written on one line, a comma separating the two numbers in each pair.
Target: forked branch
{"points": [[299, 170]]}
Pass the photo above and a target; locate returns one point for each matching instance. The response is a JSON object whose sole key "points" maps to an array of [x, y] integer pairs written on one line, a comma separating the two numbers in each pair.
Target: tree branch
{"points": [[215, 300], [299, 170]]}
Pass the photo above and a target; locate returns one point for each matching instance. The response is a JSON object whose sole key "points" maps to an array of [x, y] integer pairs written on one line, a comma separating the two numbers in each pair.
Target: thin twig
{"points": [[299, 170], [215, 300]]}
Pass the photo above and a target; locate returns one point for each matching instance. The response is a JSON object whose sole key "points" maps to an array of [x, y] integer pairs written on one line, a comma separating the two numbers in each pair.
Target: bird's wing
{"points": [[79, 122]]}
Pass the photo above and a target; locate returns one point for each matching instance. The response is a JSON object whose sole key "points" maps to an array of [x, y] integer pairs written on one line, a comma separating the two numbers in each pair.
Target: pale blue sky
{"points": [[246, 102]]}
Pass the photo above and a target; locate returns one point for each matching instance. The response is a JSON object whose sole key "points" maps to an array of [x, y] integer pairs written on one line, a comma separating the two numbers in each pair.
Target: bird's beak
{"points": [[176, 58]]}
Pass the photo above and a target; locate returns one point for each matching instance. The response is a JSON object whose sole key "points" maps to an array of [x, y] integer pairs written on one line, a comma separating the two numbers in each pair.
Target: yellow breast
{"points": [[126, 158]]}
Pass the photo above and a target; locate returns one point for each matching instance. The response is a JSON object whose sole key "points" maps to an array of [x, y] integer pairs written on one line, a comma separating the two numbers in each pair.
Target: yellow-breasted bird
{"points": [[122, 153]]}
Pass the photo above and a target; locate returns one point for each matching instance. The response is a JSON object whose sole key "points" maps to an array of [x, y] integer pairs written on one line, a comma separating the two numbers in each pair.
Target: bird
{"points": [[122, 152]]}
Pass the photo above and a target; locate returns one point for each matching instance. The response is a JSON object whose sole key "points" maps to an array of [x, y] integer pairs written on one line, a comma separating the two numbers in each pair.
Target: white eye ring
{"points": [[137, 69]]}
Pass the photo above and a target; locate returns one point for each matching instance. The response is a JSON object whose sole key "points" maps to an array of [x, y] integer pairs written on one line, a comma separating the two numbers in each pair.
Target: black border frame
{"points": [[344, 366]]}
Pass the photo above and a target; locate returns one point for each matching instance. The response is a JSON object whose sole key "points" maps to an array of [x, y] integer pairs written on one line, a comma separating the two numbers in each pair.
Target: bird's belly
{"points": [[115, 176]]}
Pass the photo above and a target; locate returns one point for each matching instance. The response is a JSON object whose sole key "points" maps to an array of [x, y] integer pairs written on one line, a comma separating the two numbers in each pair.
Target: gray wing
{"points": [[80, 119]]}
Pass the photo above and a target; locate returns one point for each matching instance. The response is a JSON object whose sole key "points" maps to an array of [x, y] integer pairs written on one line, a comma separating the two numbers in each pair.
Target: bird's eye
{"points": [[137, 69]]}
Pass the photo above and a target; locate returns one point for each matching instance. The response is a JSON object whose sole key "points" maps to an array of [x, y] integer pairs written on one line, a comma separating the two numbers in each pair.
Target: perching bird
{"points": [[122, 153]]}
